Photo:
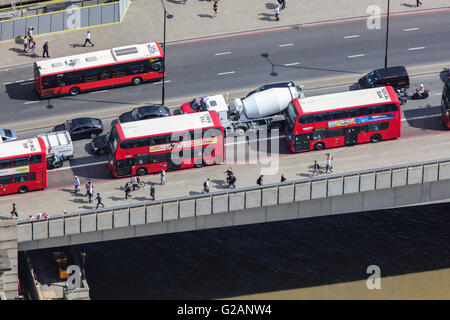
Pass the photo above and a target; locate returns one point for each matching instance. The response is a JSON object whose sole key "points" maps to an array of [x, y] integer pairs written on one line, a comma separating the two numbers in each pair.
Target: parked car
{"points": [[81, 128], [397, 77], [285, 84], [99, 145], [7, 135], [144, 113]]}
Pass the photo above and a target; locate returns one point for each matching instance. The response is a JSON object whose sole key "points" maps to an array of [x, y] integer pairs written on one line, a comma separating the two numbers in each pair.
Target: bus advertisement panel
{"points": [[341, 119]]}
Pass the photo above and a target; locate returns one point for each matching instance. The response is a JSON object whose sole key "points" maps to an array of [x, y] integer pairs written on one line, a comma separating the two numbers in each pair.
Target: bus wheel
{"points": [[319, 146], [136, 81], [375, 138], [141, 171], [23, 189], [74, 91]]}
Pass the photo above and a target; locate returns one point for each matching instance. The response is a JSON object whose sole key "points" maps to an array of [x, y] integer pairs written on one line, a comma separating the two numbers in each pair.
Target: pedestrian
{"points": [[232, 180], [88, 39], [30, 32], [91, 193], [32, 47], [77, 184], [45, 47], [163, 177], [329, 163], [99, 201], [206, 186], [14, 211], [277, 11], [283, 4], [283, 178], [135, 183], [418, 3], [25, 44], [127, 191], [259, 182], [215, 8], [316, 168], [152, 191]]}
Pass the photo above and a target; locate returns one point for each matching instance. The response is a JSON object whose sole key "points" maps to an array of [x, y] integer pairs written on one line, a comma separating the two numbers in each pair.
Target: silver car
{"points": [[8, 135]]}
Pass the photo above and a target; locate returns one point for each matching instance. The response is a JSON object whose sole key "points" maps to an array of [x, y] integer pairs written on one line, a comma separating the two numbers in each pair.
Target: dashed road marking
{"points": [[224, 73], [286, 45], [353, 36], [411, 29], [417, 48], [357, 55], [291, 64], [222, 53], [30, 102]]}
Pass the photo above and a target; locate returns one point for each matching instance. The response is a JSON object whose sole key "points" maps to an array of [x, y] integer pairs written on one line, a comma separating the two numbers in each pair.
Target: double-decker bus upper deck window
{"points": [[5, 164], [19, 162]]}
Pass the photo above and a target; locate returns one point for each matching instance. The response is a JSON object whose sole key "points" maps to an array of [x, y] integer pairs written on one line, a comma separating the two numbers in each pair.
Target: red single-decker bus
{"points": [[169, 143], [100, 69], [341, 119], [23, 166]]}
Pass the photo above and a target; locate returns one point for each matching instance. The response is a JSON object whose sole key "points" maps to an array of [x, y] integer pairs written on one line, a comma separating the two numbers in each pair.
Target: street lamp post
{"points": [[387, 36]]}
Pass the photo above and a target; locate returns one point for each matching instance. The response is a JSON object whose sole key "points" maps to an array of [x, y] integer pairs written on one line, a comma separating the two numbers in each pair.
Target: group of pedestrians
{"points": [[279, 5], [328, 167]]}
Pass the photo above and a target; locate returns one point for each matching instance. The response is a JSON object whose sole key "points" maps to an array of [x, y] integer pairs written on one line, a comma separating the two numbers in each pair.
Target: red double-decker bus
{"points": [[445, 103], [95, 70], [23, 166], [169, 143], [341, 119]]}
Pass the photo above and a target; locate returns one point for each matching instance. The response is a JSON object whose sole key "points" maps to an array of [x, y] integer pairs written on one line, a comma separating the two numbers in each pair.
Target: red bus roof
{"points": [[348, 99], [21, 148], [99, 58], [168, 125]]}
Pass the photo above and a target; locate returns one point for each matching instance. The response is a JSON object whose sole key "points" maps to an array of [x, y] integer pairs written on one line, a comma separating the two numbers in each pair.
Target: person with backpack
{"points": [[231, 180], [99, 200]]}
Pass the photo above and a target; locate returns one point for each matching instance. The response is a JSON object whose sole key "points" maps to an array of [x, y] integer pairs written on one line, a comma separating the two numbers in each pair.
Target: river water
{"points": [[236, 261]]}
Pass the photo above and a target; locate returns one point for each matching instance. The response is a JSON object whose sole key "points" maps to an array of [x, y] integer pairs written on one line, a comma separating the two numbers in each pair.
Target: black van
{"points": [[397, 77]]}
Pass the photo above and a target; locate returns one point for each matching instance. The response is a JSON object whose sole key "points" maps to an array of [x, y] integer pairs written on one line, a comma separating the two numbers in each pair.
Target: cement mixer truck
{"points": [[259, 110]]}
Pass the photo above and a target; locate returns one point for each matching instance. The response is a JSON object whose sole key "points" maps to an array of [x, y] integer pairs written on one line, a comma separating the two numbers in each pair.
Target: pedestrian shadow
{"points": [[305, 175], [79, 200], [21, 53], [142, 198], [202, 15], [267, 17], [177, 1], [219, 184], [408, 5], [270, 5], [113, 198], [193, 193], [87, 207]]}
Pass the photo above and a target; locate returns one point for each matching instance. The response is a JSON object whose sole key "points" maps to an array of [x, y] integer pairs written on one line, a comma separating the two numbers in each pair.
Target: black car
{"points": [[397, 77], [144, 113], [81, 128], [99, 145], [285, 84]]}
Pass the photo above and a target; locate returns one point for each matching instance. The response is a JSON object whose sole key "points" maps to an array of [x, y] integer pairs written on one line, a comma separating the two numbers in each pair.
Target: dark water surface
{"points": [[227, 262]]}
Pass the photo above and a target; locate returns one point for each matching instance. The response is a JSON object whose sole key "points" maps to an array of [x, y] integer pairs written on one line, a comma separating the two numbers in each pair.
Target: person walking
{"points": [[418, 3], [14, 212], [99, 201], [215, 8], [88, 186], [283, 178], [127, 191], [30, 32], [329, 163], [316, 168], [91, 193], [277, 11], [163, 177], [45, 47], [152, 191], [206, 186], [25, 44], [88, 39], [77, 185], [32, 47], [259, 182], [283, 4], [135, 183]]}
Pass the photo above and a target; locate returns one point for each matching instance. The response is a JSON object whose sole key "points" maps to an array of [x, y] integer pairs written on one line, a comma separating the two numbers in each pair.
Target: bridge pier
{"points": [[8, 260]]}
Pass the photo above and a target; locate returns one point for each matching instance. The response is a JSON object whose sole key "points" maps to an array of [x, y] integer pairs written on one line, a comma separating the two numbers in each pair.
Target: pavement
{"points": [[190, 181], [143, 22]]}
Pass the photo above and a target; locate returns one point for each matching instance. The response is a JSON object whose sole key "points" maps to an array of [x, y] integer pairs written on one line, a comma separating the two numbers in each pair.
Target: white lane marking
{"points": [[98, 91], [417, 48], [286, 45], [224, 73], [354, 36], [291, 64], [222, 53], [422, 117], [30, 102], [26, 83], [30, 80], [357, 55], [80, 166], [7, 83], [159, 82], [411, 29], [18, 81]]}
